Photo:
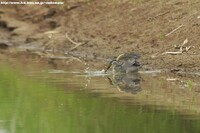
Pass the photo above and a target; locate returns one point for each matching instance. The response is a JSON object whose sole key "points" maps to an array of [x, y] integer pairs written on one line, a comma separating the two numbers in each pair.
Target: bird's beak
{"points": [[109, 66]]}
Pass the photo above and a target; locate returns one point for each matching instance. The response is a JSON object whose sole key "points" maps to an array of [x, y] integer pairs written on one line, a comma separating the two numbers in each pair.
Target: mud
{"points": [[97, 31]]}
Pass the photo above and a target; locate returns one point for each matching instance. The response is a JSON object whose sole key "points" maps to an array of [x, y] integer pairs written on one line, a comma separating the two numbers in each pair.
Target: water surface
{"points": [[44, 102]]}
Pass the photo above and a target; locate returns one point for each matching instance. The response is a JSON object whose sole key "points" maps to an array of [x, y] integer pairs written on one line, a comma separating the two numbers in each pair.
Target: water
{"points": [[40, 101]]}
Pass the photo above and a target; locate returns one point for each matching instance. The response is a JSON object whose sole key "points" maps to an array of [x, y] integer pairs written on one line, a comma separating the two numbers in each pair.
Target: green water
{"points": [[42, 106]]}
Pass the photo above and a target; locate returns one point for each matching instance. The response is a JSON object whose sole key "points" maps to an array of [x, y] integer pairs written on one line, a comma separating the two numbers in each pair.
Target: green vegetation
{"points": [[190, 85]]}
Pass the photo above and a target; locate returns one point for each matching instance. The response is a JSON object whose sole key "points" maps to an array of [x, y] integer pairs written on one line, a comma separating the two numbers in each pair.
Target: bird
{"points": [[125, 63]]}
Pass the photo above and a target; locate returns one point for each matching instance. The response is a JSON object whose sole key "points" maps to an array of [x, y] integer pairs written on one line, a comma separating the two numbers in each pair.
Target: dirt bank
{"points": [[101, 30]]}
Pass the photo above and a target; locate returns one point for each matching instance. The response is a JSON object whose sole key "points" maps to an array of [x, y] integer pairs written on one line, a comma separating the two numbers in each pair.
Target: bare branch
{"points": [[174, 30], [188, 48], [184, 42], [171, 79], [76, 44], [161, 14], [71, 40], [173, 53]]}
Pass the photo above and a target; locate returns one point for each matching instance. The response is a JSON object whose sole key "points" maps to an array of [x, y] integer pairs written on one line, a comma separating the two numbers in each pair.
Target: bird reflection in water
{"points": [[129, 82], [125, 72]]}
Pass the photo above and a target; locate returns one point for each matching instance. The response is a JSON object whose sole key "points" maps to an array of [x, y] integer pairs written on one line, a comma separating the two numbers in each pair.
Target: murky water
{"points": [[57, 101]]}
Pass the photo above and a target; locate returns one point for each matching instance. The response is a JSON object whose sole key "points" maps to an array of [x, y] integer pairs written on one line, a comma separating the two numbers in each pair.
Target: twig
{"points": [[174, 30], [77, 44], [188, 48], [173, 53], [181, 49], [51, 32], [184, 42], [71, 40], [171, 79], [161, 51], [161, 14]]}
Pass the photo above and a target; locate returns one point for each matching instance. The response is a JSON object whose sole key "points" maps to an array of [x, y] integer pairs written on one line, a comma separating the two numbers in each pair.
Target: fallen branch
{"points": [[173, 53], [171, 79], [180, 49], [71, 40], [75, 43], [187, 48], [76, 46], [161, 14], [184, 42], [174, 30]]}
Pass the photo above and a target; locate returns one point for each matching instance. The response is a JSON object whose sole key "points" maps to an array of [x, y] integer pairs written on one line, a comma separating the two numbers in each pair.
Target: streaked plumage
{"points": [[125, 63]]}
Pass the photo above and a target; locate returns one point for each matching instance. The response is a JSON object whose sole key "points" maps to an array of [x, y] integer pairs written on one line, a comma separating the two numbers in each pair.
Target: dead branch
{"points": [[76, 46], [177, 52], [75, 43], [172, 79], [71, 40], [173, 53], [174, 30], [188, 48], [184, 42], [161, 14], [160, 52]]}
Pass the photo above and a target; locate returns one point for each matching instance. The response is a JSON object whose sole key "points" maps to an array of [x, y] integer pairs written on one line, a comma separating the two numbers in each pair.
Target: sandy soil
{"points": [[105, 29]]}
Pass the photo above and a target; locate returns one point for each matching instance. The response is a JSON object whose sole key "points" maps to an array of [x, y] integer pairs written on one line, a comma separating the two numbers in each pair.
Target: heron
{"points": [[125, 63]]}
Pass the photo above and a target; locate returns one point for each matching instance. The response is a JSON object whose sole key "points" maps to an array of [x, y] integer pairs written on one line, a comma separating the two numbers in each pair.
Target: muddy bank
{"points": [[97, 31]]}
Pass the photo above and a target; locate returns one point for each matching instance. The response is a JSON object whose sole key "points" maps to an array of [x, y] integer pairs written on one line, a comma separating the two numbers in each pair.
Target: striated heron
{"points": [[125, 63]]}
